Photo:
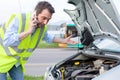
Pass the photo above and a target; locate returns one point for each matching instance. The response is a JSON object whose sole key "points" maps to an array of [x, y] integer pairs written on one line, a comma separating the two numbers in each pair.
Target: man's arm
{"points": [[11, 35], [24, 35], [66, 40], [51, 38]]}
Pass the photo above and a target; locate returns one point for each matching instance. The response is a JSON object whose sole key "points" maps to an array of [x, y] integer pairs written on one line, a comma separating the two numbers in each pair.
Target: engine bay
{"points": [[87, 69]]}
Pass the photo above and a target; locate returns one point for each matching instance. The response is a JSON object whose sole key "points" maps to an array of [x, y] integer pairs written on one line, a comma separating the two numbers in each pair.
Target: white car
{"points": [[98, 24]]}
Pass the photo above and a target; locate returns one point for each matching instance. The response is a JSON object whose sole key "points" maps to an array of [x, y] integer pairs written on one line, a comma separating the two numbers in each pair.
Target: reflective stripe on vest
{"points": [[6, 48], [22, 45], [25, 58], [23, 16], [40, 36], [8, 53]]}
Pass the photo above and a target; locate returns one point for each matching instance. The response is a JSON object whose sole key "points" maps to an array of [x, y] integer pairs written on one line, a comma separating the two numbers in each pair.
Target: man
{"points": [[22, 34]]}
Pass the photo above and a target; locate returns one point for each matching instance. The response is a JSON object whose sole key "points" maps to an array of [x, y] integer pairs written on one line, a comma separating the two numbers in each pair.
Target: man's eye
{"points": [[44, 18], [37, 18]]}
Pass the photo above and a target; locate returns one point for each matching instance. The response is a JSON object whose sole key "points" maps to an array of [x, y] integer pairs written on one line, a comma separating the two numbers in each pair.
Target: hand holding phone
{"points": [[33, 22]]}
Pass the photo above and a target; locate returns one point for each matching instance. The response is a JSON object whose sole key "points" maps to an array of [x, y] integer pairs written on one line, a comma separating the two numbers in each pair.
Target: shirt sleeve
{"points": [[48, 37], [11, 37]]}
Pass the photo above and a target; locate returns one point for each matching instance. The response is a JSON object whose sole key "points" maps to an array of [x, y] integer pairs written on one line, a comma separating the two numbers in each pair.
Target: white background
{"points": [[8, 7]]}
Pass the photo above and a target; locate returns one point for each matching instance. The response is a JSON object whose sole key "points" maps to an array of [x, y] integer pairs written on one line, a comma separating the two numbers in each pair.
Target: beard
{"points": [[40, 25]]}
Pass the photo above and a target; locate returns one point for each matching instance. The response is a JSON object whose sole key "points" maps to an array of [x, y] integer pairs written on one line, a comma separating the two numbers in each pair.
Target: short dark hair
{"points": [[44, 5]]}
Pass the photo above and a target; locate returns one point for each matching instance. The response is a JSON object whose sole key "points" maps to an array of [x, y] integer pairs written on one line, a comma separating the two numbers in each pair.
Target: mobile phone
{"points": [[35, 18]]}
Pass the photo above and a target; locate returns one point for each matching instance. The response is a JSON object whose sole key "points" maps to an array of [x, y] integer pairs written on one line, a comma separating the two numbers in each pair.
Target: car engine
{"points": [[84, 69]]}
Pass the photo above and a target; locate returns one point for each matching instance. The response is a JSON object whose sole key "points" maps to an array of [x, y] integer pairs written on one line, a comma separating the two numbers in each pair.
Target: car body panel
{"points": [[112, 74]]}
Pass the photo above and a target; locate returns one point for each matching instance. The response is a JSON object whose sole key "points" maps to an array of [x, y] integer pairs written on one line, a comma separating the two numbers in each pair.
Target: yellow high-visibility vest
{"points": [[9, 56]]}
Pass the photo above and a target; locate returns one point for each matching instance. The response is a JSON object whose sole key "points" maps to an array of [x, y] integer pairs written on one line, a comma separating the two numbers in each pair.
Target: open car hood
{"points": [[95, 18]]}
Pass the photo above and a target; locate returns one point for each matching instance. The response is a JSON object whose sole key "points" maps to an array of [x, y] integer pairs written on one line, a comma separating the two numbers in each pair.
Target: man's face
{"points": [[44, 17]]}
